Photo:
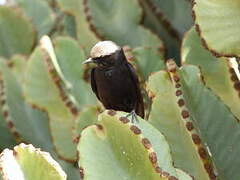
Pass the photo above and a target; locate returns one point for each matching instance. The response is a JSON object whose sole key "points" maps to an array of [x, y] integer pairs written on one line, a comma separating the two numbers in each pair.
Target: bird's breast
{"points": [[115, 87]]}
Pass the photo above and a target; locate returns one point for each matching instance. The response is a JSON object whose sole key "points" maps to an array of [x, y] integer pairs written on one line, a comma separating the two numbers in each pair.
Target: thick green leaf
{"points": [[31, 124], [40, 89], [148, 60], [218, 22], [17, 65], [16, 33], [125, 148], [157, 21], [166, 116], [219, 128], [26, 162], [6, 138], [87, 117], [113, 146], [70, 169], [86, 37], [69, 24], [176, 12], [119, 21], [215, 71], [40, 13], [70, 57]]}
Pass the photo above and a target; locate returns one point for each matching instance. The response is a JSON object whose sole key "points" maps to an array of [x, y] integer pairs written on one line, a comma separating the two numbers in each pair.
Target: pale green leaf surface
{"points": [[26, 162], [117, 149], [166, 116], [70, 57], [6, 138], [18, 65], [219, 23], [16, 33], [119, 21], [40, 89], [177, 12], [218, 127], [87, 117], [148, 60], [215, 71], [40, 13], [86, 37], [31, 124]]}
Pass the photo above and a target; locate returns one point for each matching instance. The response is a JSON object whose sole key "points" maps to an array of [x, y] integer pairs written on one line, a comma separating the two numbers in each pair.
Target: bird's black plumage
{"points": [[116, 85]]}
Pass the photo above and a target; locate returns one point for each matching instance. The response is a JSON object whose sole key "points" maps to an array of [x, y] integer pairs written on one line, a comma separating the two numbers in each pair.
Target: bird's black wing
{"points": [[139, 109], [93, 82]]}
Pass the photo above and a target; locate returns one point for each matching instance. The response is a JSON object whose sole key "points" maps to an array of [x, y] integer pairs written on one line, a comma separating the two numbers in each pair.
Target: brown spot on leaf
{"points": [[231, 70], [57, 80], [158, 169], [237, 85], [202, 152], [213, 176], [14, 152], [185, 114], [189, 126], [234, 78], [88, 18], [153, 157], [10, 64], [178, 85], [76, 139], [86, 9], [178, 93], [209, 169], [3, 101], [135, 129], [130, 58], [111, 112], [86, 73], [69, 104], [172, 178], [165, 174], [5, 113], [181, 102], [124, 120], [151, 95], [196, 139], [74, 111], [176, 78], [99, 126], [63, 96], [81, 172], [10, 124], [16, 135], [147, 144]]}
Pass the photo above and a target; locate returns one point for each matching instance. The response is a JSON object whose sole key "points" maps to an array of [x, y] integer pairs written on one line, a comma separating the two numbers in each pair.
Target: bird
{"points": [[114, 80]]}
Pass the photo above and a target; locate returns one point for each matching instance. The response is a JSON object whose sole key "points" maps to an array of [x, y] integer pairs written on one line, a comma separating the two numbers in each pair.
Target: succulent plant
{"points": [[191, 101], [27, 162]]}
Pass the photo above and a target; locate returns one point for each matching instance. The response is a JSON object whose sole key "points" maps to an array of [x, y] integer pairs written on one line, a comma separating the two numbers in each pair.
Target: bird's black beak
{"points": [[89, 60]]}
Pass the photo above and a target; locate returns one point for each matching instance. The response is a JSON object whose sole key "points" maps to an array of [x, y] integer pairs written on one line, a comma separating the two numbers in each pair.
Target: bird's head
{"points": [[106, 53]]}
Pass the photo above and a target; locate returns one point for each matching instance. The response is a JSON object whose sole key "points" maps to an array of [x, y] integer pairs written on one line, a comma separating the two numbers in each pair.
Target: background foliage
{"points": [[191, 130]]}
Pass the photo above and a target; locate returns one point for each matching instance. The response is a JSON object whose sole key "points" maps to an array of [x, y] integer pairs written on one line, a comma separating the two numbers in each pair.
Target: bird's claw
{"points": [[133, 116]]}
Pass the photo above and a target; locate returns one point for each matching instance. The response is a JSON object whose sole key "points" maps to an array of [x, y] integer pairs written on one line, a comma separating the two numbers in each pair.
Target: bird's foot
{"points": [[133, 116]]}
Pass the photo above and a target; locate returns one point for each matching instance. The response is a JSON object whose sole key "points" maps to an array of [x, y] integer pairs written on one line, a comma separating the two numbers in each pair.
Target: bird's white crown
{"points": [[104, 48]]}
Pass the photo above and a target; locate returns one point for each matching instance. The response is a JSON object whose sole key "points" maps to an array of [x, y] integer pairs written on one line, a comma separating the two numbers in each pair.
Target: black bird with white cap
{"points": [[114, 80]]}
